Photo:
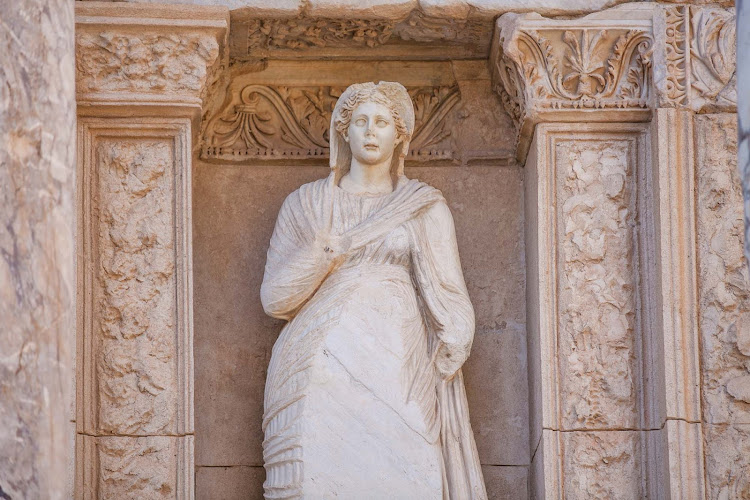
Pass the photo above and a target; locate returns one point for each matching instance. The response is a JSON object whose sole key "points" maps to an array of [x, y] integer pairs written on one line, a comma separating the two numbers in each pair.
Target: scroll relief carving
{"points": [[700, 53], [573, 69], [713, 56], [269, 122], [676, 49], [306, 33]]}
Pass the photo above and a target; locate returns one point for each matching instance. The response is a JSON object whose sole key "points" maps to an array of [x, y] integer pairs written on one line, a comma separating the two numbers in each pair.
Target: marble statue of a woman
{"points": [[365, 396]]}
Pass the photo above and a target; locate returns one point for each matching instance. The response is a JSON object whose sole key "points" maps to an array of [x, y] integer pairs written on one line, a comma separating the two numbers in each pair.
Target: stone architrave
{"points": [[142, 75], [37, 247], [614, 388]]}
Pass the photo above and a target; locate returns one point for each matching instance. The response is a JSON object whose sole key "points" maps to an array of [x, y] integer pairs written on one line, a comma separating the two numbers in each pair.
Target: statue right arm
{"points": [[300, 256]]}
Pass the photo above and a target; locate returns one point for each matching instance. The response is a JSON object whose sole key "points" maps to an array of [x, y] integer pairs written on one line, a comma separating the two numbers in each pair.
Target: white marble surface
{"points": [[364, 396]]}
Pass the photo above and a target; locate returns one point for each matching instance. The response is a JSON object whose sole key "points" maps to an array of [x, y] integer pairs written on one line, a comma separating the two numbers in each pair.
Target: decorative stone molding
{"points": [[561, 70], [615, 65], [129, 55], [135, 343], [315, 37], [273, 122], [591, 410], [154, 65], [698, 51]]}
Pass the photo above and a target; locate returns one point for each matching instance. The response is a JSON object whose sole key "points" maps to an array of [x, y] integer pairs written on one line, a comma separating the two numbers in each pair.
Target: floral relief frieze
{"points": [[269, 122], [261, 38]]}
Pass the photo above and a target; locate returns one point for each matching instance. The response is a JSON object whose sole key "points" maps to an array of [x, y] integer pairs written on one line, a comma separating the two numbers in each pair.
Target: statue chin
{"points": [[359, 380]]}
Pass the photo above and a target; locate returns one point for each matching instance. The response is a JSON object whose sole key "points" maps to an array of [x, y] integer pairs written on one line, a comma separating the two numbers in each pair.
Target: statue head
{"points": [[371, 99]]}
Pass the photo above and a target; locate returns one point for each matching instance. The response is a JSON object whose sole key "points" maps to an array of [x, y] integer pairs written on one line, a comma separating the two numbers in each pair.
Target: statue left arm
{"points": [[442, 287]]}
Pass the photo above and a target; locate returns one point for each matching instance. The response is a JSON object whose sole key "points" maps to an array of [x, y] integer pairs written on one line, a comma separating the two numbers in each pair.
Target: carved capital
{"points": [[614, 65], [133, 54], [547, 69]]}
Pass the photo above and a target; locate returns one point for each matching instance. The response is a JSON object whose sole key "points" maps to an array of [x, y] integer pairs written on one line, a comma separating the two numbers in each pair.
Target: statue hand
{"points": [[336, 247], [446, 362]]}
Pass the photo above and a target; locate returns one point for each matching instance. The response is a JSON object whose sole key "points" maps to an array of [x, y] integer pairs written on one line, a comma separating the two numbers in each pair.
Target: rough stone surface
{"points": [[603, 464], [112, 61], [724, 286], [743, 111], [596, 285], [37, 255], [135, 296], [727, 463], [141, 467], [724, 301]]}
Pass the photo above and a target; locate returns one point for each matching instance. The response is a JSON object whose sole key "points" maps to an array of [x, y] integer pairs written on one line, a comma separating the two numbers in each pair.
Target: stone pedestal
{"points": [[142, 74], [37, 252]]}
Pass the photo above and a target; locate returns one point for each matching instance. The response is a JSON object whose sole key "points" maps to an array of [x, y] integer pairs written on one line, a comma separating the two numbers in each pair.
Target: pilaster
{"points": [[604, 109], [142, 74]]}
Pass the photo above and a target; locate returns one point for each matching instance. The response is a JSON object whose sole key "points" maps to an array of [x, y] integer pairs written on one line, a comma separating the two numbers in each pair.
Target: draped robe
{"points": [[364, 396]]}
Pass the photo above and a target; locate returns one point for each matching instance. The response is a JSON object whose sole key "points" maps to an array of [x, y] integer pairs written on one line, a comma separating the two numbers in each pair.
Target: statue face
{"points": [[372, 133]]}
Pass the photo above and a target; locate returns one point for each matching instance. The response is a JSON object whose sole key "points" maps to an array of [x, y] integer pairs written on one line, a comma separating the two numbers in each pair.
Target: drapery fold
{"points": [[298, 264]]}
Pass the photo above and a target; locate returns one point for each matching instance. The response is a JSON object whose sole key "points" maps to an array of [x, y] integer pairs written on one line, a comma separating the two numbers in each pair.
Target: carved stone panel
{"points": [[602, 464], [696, 58], [316, 37], [724, 295], [288, 122], [587, 276], [135, 347], [596, 296], [127, 53]]}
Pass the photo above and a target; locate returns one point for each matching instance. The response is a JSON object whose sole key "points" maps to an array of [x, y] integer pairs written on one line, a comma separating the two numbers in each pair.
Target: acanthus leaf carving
{"points": [[713, 57], [591, 70], [548, 66], [267, 122]]}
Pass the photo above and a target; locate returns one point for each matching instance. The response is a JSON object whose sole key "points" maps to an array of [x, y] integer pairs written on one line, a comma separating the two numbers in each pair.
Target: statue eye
{"points": [[382, 122], [360, 122]]}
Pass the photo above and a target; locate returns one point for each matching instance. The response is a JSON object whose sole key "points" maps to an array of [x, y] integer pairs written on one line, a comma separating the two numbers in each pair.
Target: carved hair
{"points": [[369, 92], [391, 95]]}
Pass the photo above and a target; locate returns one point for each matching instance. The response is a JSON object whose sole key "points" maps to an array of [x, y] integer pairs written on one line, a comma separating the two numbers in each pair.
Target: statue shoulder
{"points": [[309, 194]]}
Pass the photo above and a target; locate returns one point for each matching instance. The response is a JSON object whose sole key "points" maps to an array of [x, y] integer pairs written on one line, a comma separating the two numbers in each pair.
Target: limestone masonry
{"points": [[592, 154]]}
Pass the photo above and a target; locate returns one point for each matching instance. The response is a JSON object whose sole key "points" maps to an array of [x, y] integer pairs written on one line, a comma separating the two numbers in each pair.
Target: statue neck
{"points": [[372, 178]]}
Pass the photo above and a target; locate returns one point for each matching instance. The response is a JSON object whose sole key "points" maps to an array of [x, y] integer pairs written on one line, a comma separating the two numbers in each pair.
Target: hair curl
{"points": [[375, 93]]}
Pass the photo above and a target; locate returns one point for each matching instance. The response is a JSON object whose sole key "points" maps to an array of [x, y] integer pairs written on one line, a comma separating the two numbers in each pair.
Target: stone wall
{"points": [[37, 252], [612, 298]]}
